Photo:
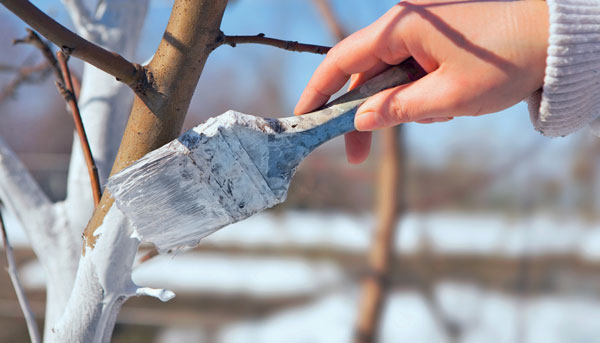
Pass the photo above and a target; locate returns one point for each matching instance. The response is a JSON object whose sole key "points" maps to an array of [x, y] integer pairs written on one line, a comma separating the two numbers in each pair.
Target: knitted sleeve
{"points": [[570, 98]]}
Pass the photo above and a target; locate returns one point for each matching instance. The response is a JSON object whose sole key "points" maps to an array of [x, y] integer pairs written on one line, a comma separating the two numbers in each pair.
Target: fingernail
{"points": [[368, 121]]}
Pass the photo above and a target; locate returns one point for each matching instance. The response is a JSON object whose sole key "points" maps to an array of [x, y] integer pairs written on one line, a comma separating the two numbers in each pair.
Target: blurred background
{"points": [[492, 229]]}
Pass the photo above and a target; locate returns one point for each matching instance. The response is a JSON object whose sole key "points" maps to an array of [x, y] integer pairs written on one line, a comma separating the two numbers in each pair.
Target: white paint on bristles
{"points": [[198, 183]]}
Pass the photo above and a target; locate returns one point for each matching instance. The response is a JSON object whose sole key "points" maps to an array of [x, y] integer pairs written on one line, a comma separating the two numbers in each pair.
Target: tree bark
{"points": [[103, 281]]}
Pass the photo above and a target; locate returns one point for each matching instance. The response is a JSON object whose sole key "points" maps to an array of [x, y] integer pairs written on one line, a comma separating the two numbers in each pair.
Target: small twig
{"points": [[330, 19], [68, 93], [24, 75], [5, 68], [32, 327], [278, 43], [35, 40]]}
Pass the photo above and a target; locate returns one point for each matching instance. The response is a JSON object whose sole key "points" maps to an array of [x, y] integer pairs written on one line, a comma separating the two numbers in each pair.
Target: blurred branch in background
{"points": [[439, 199], [332, 22], [35, 40], [38, 72], [25, 74], [389, 208], [110, 62], [34, 332]]}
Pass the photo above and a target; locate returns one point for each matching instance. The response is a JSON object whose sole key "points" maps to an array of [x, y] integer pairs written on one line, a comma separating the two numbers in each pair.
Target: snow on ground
{"points": [[446, 233], [223, 274], [481, 316]]}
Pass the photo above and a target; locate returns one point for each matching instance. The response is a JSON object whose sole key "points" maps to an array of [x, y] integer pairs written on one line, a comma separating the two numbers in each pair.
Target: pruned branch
{"points": [[68, 93], [278, 43], [34, 332], [132, 74]]}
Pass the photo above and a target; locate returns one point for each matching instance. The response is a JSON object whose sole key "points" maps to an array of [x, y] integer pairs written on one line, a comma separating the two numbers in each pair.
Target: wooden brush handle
{"points": [[337, 116]]}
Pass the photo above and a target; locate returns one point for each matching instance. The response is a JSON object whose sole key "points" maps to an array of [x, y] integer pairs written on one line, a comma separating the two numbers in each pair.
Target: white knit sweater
{"points": [[570, 98]]}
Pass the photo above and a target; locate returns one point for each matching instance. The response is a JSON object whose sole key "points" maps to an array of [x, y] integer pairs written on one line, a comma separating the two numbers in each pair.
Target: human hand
{"points": [[480, 56]]}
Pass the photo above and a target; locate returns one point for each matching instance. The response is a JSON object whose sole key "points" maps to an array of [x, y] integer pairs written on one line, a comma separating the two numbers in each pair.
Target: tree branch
{"points": [[35, 40], [193, 29], [25, 75], [129, 73], [103, 281], [69, 94], [278, 43], [34, 332]]}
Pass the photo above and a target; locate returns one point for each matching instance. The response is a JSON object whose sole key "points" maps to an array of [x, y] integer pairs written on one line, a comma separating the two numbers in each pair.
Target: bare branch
{"points": [[189, 38], [278, 43], [330, 19], [5, 68], [69, 94], [34, 332], [28, 74], [35, 40], [129, 73], [25, 75]]}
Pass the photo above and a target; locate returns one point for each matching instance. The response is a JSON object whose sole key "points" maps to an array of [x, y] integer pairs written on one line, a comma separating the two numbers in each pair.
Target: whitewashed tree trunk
{"points": [[55, 229]]}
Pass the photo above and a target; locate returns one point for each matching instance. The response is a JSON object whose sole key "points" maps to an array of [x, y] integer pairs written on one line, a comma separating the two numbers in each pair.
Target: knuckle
{"points": [[398, 111]]}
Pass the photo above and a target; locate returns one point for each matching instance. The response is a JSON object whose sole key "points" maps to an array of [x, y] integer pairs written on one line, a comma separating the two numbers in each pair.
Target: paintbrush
{"points": [[232, 166]]}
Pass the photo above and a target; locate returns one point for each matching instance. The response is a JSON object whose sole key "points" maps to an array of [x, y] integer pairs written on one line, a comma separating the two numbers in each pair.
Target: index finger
{"points": [[360, 52]]}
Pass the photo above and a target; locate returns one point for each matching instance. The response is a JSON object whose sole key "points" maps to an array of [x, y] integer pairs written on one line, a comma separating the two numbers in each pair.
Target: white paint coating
{"points": [[196, 184], [159, 293], [54, 230]]}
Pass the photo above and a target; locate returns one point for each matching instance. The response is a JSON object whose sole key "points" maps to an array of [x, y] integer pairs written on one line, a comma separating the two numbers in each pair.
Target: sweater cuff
{"points": [[570, 98]]}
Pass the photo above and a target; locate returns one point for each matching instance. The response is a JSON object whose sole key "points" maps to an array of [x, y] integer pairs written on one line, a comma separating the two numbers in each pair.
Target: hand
{"points": [[480, 56]]}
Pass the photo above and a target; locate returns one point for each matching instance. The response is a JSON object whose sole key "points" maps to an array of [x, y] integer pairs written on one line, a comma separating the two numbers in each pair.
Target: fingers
{"points": [[363, 51], [432, 96], [358, 79], [358, 146]]}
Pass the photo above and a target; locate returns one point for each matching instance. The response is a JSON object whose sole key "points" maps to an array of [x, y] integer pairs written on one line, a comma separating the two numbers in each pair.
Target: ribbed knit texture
{"points": [[571, 94]]}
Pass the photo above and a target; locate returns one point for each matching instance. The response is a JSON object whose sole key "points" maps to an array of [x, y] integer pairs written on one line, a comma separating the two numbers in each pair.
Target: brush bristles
{"points": [[176, 195]]}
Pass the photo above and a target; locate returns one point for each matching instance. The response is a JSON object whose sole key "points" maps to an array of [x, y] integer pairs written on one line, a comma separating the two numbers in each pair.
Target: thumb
{"points": [[432, 96]]}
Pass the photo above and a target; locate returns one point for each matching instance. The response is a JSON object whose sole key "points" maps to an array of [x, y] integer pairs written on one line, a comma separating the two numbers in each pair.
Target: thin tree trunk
{"points": [[103, 282], [390, 206]]}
